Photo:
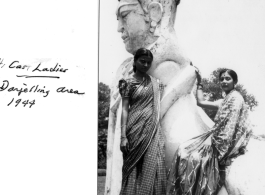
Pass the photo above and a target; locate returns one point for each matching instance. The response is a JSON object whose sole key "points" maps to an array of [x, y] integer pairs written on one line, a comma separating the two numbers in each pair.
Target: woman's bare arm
{"points": [[124, 146], [124, 115], [204, 103], [200, 97]]}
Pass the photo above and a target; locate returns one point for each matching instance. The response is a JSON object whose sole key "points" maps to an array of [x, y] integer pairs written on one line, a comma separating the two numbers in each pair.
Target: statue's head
{"points": [[140, 21]]}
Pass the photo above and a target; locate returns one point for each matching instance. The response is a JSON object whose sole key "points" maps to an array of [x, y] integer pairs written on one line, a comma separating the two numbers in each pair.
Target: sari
{"points": [[198, 167], [143, 171]]}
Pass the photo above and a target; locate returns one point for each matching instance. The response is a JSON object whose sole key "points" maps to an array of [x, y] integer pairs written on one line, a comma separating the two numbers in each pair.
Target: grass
{"points": [[101, 185]]}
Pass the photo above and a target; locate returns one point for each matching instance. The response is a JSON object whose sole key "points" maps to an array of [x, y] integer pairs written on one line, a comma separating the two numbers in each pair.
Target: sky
{"points": [[213, 34]]}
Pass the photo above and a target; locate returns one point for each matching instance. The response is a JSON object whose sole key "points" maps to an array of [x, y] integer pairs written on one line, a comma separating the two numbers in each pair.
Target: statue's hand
{"points": [[124, 146]]}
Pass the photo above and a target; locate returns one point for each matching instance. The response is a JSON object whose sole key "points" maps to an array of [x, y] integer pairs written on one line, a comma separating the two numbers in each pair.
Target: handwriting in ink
{"points": [[25, 102], [28, 76], [23, 88], [33, 89], [54, 69], [64, 90], [16, 65], [2, 62]]}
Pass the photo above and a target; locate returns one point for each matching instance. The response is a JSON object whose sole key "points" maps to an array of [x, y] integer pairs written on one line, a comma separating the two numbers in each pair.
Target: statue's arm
{"points": [[179, 85]]}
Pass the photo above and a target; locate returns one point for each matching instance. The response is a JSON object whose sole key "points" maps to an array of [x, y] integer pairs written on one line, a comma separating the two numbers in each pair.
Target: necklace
{"points": [[141, 79]]}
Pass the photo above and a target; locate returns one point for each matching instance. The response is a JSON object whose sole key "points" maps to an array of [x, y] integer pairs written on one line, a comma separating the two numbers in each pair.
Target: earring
{"points": [[223, 94], [153, 26]]}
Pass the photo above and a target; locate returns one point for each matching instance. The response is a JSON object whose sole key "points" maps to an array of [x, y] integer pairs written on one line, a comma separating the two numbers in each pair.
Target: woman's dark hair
{"points": [[231, 73], [142, 52]]}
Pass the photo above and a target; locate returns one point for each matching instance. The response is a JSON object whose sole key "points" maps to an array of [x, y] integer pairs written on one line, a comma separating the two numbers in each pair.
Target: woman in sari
{"points": [[142, 143], [201, 164]]}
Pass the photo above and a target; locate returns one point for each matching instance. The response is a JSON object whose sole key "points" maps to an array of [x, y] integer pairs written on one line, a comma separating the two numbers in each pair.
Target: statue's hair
{"points": [[169, 7], [163, 2]]}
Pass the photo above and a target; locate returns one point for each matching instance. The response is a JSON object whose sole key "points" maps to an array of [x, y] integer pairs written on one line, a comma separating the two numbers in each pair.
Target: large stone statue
{"points": [[150, 24]]}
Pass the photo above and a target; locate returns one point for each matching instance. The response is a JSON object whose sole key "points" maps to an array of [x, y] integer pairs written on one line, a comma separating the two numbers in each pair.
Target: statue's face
{"points": [[132, 25]]}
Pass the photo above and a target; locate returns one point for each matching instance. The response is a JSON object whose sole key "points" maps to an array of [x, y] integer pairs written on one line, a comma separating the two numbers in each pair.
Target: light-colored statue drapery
{"points": [[150, 24]]}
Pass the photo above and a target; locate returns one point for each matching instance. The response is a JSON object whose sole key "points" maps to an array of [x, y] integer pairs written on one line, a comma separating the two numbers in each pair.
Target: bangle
{"points": [[123, 137]]}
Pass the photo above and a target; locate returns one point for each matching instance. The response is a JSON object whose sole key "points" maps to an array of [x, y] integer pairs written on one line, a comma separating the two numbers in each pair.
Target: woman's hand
{"points": [[198, 74], [124, 146]]}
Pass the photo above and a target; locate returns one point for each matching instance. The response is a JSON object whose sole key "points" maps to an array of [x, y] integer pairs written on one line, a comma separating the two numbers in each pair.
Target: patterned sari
{"points": [[198, 167], [143, 171]]}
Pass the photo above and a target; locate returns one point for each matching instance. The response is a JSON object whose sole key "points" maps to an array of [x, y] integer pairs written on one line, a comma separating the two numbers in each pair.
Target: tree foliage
{"points": [[103, 113], [213, 92]]}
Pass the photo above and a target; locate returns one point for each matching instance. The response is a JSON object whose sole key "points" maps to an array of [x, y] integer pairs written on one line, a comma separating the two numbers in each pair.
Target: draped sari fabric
{"points": [[143, 171], [198, 167]]}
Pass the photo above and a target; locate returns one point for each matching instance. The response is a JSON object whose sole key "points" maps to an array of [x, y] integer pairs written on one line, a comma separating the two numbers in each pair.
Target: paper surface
{"points": [[48, 114]]}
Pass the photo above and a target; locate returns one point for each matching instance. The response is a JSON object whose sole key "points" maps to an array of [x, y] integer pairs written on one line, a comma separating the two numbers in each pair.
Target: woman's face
{"points": [[227, 82], [143, 64]]}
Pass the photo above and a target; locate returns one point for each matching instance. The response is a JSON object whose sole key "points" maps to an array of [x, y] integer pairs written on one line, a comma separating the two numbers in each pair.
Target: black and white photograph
{"points": [[181, 100]]}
